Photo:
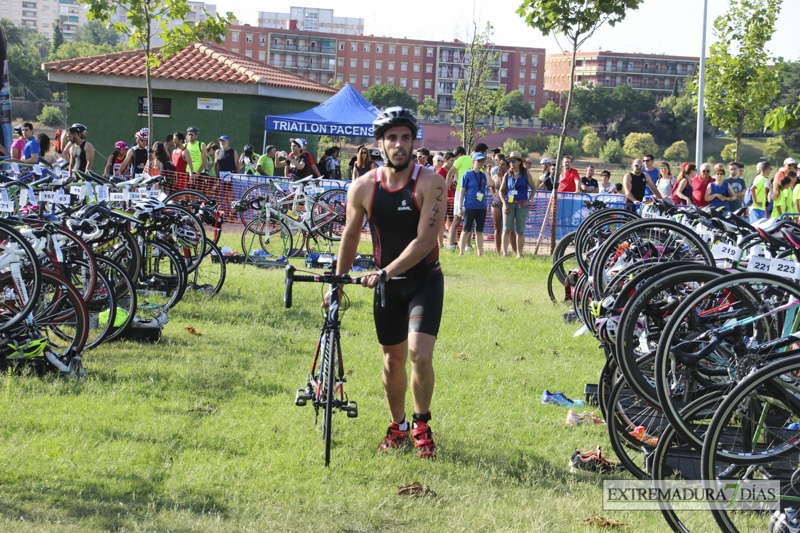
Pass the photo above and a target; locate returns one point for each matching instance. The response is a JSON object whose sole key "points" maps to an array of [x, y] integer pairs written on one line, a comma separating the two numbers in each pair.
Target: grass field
{"points": [[200, 432]]}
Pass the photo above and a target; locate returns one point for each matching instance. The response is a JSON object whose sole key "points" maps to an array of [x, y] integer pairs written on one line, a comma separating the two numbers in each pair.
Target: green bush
{"points": [[51, 116], [584, 131], [592, 144], [679, 151], [729, 152], [776, 150], [639, 144], [511, 145], [612, 152], [534, 143], [571, 147]]}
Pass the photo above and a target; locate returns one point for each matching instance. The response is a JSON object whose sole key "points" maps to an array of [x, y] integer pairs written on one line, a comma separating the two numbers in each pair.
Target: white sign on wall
{"points": [[209, 104]]}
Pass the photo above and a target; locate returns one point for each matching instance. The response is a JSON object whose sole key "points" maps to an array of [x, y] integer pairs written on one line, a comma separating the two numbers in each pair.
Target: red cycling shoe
{"points": [[423, 439], [394, 437]]}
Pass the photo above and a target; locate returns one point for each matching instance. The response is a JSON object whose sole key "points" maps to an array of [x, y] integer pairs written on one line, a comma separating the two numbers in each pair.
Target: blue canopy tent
{"points": [[345, 113]]}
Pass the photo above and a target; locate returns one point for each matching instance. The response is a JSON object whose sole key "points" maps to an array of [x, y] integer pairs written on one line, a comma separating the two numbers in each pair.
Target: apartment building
{"points": [[311, 19], [42, 14], [423, 68], [656, 73], [194, 16]]}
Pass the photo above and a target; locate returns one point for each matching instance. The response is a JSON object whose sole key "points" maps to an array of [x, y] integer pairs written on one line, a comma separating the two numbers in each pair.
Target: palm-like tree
{"points": [[12, 32]]}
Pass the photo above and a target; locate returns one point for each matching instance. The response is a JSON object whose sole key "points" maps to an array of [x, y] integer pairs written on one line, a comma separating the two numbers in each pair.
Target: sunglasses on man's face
{"points": [[647, 160]]}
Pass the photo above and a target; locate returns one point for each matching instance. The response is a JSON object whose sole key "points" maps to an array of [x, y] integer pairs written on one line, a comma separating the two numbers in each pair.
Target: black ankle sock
{"points": [[422, 418]]}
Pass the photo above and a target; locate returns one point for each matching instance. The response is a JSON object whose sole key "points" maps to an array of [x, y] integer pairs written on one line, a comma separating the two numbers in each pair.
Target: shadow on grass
{"points": [[113, 511]]}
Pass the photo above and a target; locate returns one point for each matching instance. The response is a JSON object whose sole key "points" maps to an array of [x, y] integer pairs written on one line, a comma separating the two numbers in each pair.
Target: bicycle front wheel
{"points": [[329, 384]]}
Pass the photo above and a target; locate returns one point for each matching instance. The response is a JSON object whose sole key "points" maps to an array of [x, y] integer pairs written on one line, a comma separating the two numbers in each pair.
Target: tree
{"points": [[551, 113], [81, 49], [679, 151], [611, 152], [534, 143], [788, 93], [474, 96], [58, 37], [429, 108], [776, 150], [639, 144], [683, 109], [96, 33], [739, 80], [13, 33], [592, 144], [385, 95], [577, 20], [168, 19], [494, 102], [729, 152], [512, 105]]}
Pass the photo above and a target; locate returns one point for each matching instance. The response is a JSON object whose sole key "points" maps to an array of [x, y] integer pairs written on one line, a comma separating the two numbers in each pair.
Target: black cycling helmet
{"points": [[80, 127], [248, 148], [18, 129], [392, 117], [193, 129]]}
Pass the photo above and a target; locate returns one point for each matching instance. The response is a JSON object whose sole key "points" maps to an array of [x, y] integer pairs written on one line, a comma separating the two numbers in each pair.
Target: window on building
{"points": [[365, 62], [352, 63], [262, 40], [390, 81], [415, 84], [366, 47], [354, 47], [532, 91], [505, 57], [340, 78], [379, 48], [364, 81], [341, 46], [235, 50], [522, 89], [534, 61], [417, 50], [404, 66], [533, 74], [403, 82], [429, 68], [378, 65], [340, 61], [235, 36], [404, 50], [522, 74], [248, 38], [262, 56], [503, 73], [391, 65], [428, 84], [392, 49], [248, 53], [378, 80], [429, 51], [162, 107], [352, 79], [522, 59], [416, 67]]}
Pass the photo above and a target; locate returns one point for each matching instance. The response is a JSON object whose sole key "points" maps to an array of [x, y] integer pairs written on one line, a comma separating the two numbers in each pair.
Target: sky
{"points": [[671, 27]]}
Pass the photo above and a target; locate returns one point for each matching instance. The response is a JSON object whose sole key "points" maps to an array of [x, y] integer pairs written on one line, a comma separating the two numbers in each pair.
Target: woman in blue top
{"points": [[516, 201], [473, 203], [718, 193]]}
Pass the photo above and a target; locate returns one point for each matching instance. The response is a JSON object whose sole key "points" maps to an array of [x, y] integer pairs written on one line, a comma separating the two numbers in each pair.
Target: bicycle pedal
{"points": [[302, 396], [351, 408]]}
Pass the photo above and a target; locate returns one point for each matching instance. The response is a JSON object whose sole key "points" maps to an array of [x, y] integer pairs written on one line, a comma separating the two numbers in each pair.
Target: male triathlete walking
{"points": [[405, 206]]}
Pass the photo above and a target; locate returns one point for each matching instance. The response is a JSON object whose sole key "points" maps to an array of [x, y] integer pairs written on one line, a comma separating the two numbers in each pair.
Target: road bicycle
{"points": [[325, 387]]}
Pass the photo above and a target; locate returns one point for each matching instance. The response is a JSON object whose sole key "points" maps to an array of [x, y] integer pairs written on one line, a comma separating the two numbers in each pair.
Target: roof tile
{"points": [[199, 61]]}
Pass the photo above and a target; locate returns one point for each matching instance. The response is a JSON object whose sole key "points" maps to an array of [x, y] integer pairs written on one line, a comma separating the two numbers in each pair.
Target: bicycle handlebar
{"points": [[333, 279]]}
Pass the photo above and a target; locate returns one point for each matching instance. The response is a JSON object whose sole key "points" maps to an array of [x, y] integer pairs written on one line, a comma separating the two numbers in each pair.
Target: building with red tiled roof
{"points": [[214, 89]]}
